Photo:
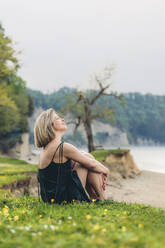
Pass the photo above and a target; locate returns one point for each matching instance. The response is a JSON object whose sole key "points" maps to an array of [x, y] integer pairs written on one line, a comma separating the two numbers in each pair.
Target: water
{"points": [[149, 158]]}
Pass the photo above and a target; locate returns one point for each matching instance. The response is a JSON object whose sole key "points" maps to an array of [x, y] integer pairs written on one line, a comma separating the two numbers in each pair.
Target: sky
{"points": [[65, 43]]}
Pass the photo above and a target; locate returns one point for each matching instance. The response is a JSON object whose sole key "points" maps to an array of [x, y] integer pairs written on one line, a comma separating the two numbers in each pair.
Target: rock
{"points": [[121, 165], [20, 150]]}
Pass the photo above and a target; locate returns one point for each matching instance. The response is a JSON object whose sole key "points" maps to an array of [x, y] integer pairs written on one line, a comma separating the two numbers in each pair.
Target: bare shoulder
{"points": [[46, 155], [68, 146], [44, 159], [69, 149]]}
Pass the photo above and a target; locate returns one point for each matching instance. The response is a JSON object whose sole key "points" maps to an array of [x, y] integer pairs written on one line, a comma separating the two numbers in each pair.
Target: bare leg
{"points": [[94, 186], [82, 173], [91, 181], [91, 191]]}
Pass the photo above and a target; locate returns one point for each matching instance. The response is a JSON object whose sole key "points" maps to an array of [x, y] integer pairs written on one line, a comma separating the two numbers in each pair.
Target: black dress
{"points": [[60, 183]]}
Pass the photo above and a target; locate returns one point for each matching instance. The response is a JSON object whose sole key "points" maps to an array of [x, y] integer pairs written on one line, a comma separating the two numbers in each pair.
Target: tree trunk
{"points": [[88, 129], [87, 125]]}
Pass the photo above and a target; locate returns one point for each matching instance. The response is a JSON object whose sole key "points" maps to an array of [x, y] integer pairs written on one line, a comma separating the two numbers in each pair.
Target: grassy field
{"points": [[10, 166], [101, 154], [12, 170], [25, 222]]}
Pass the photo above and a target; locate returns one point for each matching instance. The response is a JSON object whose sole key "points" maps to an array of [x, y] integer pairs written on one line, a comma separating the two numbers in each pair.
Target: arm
{"points": [[104, 177], [90, 163]]}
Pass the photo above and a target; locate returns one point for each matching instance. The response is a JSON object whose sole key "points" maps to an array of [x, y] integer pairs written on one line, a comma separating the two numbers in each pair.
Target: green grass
{"points": [[16, 169], [12, 170], [101, 154], [108, 224], [5, 193], [9, 166], [5, 180], [6, 160]]}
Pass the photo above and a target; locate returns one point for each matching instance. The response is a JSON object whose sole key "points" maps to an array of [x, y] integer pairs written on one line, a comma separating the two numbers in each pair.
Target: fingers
{"points": [[104, 180]]}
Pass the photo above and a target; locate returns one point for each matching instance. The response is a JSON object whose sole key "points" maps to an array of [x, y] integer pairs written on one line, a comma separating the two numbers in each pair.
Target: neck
{"points": [[58, 136], [57, 139]]}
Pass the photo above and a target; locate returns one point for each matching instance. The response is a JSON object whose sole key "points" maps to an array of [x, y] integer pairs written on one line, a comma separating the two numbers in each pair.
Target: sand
{"points": [[146, 188]]}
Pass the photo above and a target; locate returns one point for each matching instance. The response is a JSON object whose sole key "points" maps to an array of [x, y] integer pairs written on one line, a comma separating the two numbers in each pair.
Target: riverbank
{"points": [[147, 188]]}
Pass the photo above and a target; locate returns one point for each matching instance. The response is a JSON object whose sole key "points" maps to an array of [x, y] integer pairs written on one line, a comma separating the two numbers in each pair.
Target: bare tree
{"points": [[85, 110]]}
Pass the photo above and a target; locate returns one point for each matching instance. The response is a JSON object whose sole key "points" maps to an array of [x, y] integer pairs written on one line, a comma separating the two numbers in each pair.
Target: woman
{"points": [[65, 173]]}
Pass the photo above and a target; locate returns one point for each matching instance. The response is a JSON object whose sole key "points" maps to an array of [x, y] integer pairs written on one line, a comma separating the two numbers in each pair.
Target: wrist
{"points": [[106, 171]]}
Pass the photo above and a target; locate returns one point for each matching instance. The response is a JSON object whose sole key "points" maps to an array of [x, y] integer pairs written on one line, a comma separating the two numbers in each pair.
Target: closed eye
{"points": [[57, 118]]}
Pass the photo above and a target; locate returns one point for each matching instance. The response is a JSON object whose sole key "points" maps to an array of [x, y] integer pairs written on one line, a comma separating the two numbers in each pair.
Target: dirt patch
{"points": [[28, 186], [121, 166]]}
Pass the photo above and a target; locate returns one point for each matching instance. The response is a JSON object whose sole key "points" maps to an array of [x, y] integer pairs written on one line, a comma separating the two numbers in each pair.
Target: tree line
{"points": [[139, 115], [16, 105]]}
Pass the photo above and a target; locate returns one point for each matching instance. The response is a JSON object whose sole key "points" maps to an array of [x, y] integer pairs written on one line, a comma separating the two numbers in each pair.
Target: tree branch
{"points": [[117, 96], [101, 92], [77, 124]]}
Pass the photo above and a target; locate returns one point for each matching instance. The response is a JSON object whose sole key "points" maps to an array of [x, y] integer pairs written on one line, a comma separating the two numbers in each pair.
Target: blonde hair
{"points": [[43, 128]]}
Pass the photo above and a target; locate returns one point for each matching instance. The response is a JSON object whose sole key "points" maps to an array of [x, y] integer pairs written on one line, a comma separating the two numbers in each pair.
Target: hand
{"points": [[106, 173], [104, 177]]}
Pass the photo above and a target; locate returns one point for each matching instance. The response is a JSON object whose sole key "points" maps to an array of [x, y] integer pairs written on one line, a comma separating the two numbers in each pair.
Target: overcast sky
{"points": [[64, 42]]}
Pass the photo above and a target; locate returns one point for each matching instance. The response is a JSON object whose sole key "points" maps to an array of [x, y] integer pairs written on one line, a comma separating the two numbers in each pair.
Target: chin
{"points": [[64, 128]]}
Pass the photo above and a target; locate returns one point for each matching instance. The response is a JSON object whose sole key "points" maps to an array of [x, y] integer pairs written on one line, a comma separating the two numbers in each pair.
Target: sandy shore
{"points": [[146, 188]]}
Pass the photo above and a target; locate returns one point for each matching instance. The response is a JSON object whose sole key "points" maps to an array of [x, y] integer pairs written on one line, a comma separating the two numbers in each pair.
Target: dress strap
{"points": [[60, 151]]}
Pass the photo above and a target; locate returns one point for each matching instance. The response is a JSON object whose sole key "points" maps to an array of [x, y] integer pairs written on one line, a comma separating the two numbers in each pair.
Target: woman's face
{"points": [[59, 123]]}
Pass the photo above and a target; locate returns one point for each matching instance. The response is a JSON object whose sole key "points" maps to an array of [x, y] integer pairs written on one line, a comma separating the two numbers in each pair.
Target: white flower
{"points": [[70, 217], [33, 234], [45, 226], [27, 228], [59, 222], [12, 230], [52, 227]]}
